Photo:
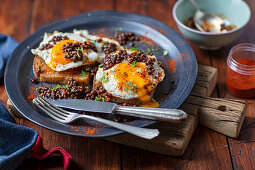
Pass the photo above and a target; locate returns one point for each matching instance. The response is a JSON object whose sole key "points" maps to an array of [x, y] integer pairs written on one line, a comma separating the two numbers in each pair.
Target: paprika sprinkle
{"points": [[240, 76]]}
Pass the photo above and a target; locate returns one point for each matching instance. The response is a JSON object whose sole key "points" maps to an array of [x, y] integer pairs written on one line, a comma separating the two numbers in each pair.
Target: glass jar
{"points": [[240, 76]]}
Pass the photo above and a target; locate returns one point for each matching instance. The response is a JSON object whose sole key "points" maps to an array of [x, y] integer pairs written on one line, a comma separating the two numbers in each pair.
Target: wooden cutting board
{"points": [[222, 115]]}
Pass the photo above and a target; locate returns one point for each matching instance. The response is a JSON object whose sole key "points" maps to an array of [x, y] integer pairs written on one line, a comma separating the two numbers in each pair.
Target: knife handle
{"points": [[162, 114]]}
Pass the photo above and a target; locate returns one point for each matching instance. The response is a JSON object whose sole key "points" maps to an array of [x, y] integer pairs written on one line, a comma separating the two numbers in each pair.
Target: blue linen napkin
{"points": [[7, 45], [18, 143], [15, 141]]}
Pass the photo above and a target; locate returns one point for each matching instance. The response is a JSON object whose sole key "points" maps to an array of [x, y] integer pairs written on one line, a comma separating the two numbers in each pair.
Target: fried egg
{"points": [[55, 58], [131, 81]]}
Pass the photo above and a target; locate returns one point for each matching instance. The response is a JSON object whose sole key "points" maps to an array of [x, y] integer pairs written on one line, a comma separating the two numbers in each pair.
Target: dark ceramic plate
{"points": [[170, 93]]}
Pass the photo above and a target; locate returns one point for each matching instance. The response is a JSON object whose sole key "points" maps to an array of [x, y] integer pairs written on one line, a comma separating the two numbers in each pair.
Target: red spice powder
{"points": [[101, 35], [88, 130], [145, 39], [173, 61], [161, 31], [171, 64], [31, 93], [241, 85]]}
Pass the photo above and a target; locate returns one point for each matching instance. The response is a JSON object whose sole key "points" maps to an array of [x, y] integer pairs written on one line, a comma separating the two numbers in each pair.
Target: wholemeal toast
{"points": [[46, 74]]}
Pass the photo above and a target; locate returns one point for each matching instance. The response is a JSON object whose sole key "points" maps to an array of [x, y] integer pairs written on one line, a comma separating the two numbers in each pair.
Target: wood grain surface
{"points": [[207, 149]]}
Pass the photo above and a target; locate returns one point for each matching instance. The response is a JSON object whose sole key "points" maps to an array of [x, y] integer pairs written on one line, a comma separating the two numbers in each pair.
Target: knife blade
{"points": [[84, 105]]}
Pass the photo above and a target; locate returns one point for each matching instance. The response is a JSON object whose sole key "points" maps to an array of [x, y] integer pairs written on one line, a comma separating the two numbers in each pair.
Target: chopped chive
{"points": [[133, 49], [118, 29], [98, 99], [165, 52], [103, 100], [129, 83], [134, 63], [58, 86], [65, 86], [104, 79], [126, 89], [83, 73], [78, 54], [81, 49]]}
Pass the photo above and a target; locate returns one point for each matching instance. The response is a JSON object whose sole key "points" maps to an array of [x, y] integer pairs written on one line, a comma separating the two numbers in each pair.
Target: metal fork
{"points": [[67, 117]]}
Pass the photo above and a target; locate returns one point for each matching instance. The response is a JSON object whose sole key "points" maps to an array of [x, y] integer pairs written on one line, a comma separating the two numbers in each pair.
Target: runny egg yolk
{"points": [[133, 77], [58, 56]]}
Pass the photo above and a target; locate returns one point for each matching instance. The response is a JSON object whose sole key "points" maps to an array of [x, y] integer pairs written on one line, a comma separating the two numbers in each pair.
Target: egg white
{"points": [[77, 35]]}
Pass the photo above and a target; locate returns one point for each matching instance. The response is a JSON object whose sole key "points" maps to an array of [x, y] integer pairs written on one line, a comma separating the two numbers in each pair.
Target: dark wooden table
{"points": [[207, 149]]}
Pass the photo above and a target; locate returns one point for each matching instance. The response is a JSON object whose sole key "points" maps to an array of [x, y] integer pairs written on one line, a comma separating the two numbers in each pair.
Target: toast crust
{"points": [[46, 74]]}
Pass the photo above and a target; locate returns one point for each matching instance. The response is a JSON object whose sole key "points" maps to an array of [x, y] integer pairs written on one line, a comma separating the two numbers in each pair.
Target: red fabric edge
{"points": [[40, 153]]}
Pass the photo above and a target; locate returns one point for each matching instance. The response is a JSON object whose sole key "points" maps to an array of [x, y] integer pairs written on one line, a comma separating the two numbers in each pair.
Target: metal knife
{"points": [[162, 114]]}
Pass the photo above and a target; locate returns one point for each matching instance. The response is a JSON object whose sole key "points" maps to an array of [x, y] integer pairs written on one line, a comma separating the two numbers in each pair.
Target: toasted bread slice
{"points": [[46, 74], [115, 99]]}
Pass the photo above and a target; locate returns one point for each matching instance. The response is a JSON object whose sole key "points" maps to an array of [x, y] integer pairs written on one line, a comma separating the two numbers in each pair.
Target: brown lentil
{"points": [[34, 80], [122, 38], [54, 40], [110, 60], [108, 48]]}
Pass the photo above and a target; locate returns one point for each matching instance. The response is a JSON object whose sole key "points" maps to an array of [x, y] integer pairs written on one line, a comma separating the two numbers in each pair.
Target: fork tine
{"points": [[53, 106], [49, 109], [47, 112]]}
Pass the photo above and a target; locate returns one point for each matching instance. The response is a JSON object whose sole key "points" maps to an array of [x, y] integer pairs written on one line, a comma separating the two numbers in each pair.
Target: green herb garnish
{"points": [[78, 54], [100, 65], [118, 29], [83, 73], [165, 52], [81, 49], [148, 50], [98, 99], [65, 86], [125, 74], [129, 83], [104, 79], [126, 89], [133, 49], [58, 86], [134, 63]]}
